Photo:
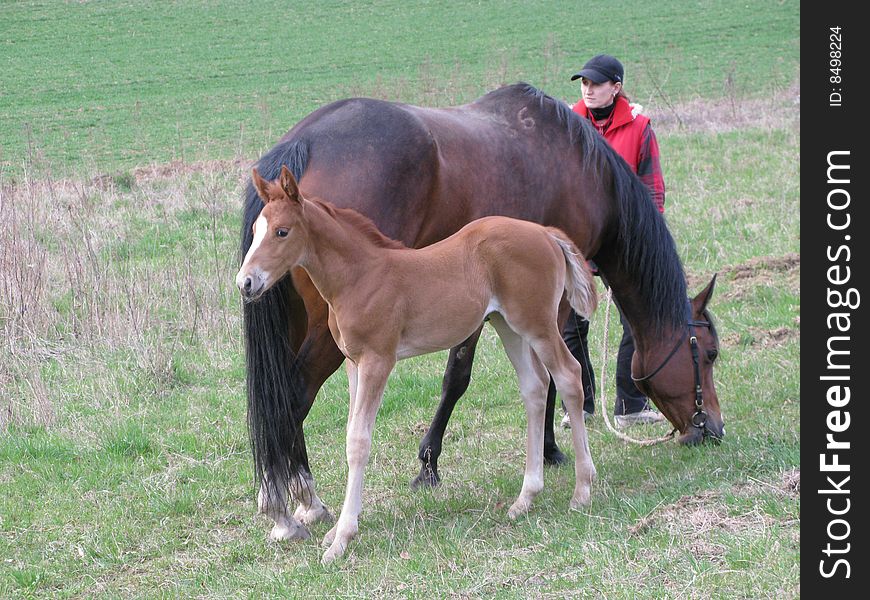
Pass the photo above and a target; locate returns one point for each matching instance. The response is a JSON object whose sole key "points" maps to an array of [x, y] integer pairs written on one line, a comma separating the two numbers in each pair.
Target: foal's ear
{"points": [[261, 185], [703, 298], [289, 185]]}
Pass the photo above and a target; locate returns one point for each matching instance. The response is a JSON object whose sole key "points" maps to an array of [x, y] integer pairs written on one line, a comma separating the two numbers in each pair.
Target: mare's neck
{"points": [[647, 334], [337, 252]]}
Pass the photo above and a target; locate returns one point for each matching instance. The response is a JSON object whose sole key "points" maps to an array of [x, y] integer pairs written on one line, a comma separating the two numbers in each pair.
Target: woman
{"points": [[631, 135]]}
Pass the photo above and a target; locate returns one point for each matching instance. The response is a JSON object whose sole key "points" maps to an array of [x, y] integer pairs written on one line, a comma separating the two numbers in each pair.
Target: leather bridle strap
{"points": [[664, 362], [699, 419]]}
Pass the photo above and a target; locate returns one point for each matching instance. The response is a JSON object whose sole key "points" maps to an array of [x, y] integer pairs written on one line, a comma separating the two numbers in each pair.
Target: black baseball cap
{"points": [[601, 68]]}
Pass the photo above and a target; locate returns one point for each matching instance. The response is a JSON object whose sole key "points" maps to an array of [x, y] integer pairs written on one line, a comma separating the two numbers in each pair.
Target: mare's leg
{"points": [[317, 358], [456, 379], [371, 380], [567, 374], [286, 527], [552, 454], [533, 380], [273, 495], [311, 508]]}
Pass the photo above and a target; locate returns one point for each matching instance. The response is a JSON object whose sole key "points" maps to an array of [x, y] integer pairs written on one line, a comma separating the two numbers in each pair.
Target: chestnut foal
{"points": [[387, 302]]}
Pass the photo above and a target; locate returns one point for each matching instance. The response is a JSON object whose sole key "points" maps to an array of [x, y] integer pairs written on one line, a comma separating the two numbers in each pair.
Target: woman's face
{"points": [[599, 95]]}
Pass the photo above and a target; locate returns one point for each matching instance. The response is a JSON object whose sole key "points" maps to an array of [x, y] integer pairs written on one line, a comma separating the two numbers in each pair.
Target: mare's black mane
{"points": [[643, 244]]}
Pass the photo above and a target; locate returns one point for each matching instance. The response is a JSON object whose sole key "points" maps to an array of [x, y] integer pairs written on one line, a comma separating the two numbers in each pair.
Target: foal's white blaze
{"points": [[261, 226]]}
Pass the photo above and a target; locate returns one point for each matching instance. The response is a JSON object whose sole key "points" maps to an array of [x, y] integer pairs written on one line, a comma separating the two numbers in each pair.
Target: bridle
{"points": [[699, 419]]}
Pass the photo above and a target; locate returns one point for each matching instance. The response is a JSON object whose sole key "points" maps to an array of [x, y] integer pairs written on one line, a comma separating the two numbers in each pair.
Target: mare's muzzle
{"points": [[703, 429]]}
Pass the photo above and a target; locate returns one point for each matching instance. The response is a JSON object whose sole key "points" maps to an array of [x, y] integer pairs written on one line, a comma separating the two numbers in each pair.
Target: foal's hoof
{"points": [[518, 509], [581, 498], [554, 456], [290, 531], [335, 551], [329, 538]]}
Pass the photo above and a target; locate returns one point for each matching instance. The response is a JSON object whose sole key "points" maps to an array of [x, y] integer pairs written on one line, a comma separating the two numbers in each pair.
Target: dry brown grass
{"points": [[778, 110], [87, 268]]}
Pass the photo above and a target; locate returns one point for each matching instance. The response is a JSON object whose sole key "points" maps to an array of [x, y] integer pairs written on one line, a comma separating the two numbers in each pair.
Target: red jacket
{"points": [[631, 135]]}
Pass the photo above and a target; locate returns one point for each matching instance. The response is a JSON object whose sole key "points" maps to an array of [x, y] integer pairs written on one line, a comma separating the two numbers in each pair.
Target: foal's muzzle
{"points": [[251, 285]]}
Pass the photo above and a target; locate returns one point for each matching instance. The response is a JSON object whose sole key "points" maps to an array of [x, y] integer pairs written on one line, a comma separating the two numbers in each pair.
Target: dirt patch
{"points": [[177, 168], [745, 277], [762, 338], [700, 514], [155, 172], [764, 266], [708, 511], [759, 270], [791, 482], [777, 111]]}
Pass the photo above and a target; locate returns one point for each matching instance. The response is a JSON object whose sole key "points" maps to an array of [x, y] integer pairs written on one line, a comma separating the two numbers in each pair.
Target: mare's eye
{"points": [[282, 233], [712, 354]]}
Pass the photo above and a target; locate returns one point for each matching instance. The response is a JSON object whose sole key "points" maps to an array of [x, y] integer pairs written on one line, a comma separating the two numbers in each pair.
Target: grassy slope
{"points": [[139, 478], [125, 469], [119, 84]]}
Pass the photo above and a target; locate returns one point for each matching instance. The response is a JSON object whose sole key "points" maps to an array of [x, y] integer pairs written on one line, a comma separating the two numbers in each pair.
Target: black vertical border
{"points": [[829, 128]]}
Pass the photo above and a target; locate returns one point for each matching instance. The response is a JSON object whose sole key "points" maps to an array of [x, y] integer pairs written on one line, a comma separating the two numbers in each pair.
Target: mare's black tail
{"points": [[274, 386]]}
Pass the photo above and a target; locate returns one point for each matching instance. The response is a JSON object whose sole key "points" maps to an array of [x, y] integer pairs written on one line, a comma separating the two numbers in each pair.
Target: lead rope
{"points": [[604, 411]]}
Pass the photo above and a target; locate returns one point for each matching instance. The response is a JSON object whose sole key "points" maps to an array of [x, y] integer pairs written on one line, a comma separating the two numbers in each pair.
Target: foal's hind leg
{"points": [[567, 374], [456, 379], [533, 380]]}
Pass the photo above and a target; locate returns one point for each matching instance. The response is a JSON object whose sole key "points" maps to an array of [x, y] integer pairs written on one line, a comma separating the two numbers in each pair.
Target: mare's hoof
{"points": [[554, 456], [426, 479], [313, 515], [293, 531]]}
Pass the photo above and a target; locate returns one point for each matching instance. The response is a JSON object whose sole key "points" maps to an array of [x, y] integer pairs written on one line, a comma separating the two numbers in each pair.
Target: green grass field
{"points": [[126, 132], [118, 84]]}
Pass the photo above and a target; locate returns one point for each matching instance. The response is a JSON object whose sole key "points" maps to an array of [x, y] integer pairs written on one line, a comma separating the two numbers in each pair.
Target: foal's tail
{"points": [[579, 285]]}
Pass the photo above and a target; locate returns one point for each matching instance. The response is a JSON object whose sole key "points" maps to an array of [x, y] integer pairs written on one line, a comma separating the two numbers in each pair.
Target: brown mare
{"points": [[420, 174], [381, 310]]}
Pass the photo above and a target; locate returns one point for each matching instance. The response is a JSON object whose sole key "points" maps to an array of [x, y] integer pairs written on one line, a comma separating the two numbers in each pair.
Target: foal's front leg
{"points": [[371, 379]]}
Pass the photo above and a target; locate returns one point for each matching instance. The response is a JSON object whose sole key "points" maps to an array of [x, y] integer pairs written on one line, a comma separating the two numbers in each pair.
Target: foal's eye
{"points": [[282, 233]]}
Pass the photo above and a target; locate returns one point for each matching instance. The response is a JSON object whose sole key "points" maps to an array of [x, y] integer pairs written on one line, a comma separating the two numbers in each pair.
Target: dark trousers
{"points": [[628, 398]]}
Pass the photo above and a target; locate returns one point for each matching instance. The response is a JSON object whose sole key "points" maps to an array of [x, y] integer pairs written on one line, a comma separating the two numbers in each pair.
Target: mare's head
{"points": [[678, 375], [279, 235]]}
